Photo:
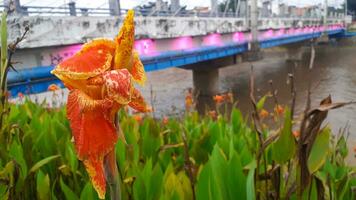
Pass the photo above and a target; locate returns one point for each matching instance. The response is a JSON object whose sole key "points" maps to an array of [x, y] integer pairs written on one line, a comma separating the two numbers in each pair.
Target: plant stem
{"points": [[112, 175]]}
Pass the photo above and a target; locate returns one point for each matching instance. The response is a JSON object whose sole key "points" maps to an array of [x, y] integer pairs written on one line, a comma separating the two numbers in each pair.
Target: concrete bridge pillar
{"points": [[295, 52], [206, 85], [206, 80]]}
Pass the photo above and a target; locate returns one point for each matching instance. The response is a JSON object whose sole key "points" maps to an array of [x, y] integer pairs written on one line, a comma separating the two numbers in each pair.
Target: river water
{"points": [[334, 73]]}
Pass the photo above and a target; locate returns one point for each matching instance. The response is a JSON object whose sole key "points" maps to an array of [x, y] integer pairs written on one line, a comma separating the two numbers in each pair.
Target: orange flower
{"points": [[189, 100], [213, 114], [53, 87], [20, 95], [355, 149], [263, 114], [165, 120], [138, 118], [296, 134], [279, 109], [100, 79], [218, 99]]}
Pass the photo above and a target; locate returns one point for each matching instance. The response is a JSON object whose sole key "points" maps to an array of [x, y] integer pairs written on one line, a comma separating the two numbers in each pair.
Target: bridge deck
{"points": [[37, 80]]}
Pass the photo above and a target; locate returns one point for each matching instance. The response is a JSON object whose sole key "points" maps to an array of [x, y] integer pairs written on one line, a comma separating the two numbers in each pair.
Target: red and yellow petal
{"points": [[138, 102], [138, 70], [96, 173], [119, 85], [94, 133], [124, 43], [93, 59]]}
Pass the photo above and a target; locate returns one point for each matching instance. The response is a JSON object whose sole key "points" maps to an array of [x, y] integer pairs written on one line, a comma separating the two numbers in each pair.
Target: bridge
{"points": [[201, 43]]}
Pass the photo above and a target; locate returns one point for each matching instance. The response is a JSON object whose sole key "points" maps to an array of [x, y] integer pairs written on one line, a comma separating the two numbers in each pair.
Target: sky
{"points": [[131, 3]]}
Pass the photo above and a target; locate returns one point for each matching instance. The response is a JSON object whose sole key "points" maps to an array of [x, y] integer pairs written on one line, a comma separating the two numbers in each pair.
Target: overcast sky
{"points": [[131, 3]]}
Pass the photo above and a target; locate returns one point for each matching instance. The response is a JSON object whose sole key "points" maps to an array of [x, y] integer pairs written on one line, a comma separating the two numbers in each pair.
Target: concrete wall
{"points": [[48, 31]]}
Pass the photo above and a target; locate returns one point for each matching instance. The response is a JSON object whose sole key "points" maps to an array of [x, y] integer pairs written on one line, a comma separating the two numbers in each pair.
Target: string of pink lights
{"points": [[149, 46]]}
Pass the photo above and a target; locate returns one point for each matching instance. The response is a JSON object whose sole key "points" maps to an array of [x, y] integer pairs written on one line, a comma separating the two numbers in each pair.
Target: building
{"points": [[283, 10], [266, 10], [160, 7]]}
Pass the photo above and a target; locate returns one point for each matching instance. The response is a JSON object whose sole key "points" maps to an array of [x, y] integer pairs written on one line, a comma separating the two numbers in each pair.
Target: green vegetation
{"points": [[167, 159]]}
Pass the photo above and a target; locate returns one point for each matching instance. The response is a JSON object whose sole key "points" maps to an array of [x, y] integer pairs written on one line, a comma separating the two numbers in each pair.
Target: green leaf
{"points": [[284, 148], [88, 193], [236, 180], [43, 186], [319, 151], [3, 40], [16, 152], [68, 193], [236, 120], [250, 185], [342, 147], [42, 162], [260, 104]]}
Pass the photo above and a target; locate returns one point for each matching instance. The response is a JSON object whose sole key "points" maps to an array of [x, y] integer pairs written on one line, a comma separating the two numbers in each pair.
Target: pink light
{"points": [[182, 43], [238, 37], [291, 31], [280, 32], [145, 46], [248, 37], [213, 39], [268, 34]]}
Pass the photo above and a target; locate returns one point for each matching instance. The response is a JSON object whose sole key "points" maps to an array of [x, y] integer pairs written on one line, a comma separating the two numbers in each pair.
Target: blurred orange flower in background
{"points": [[20, 95], [138, 118], [165, 120], [100, 79], [296, 134], [279, 109], [263, 114], [218, 99], [53, 87], [189, 100], [213, 114]]}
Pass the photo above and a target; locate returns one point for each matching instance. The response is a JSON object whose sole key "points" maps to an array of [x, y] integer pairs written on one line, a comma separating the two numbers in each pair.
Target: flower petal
{"points": [[95, 169], [94, 133], [93, 59], [138, 70], [124, 43], [138, 102], [119, 85]]}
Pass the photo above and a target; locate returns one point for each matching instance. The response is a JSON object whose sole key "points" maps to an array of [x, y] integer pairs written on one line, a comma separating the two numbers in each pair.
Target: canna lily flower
{"points": [[279, 109], [218, 99], [165, 120], [138, 118], [53, 87], [213, 114], [100, 78], [263, 114], [296, 134], [20, 95], [188, 100]]}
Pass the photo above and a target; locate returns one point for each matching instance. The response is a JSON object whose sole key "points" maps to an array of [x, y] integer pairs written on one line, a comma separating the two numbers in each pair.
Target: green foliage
{"points": [[284, 148], [38, 159], [319, 151]]}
